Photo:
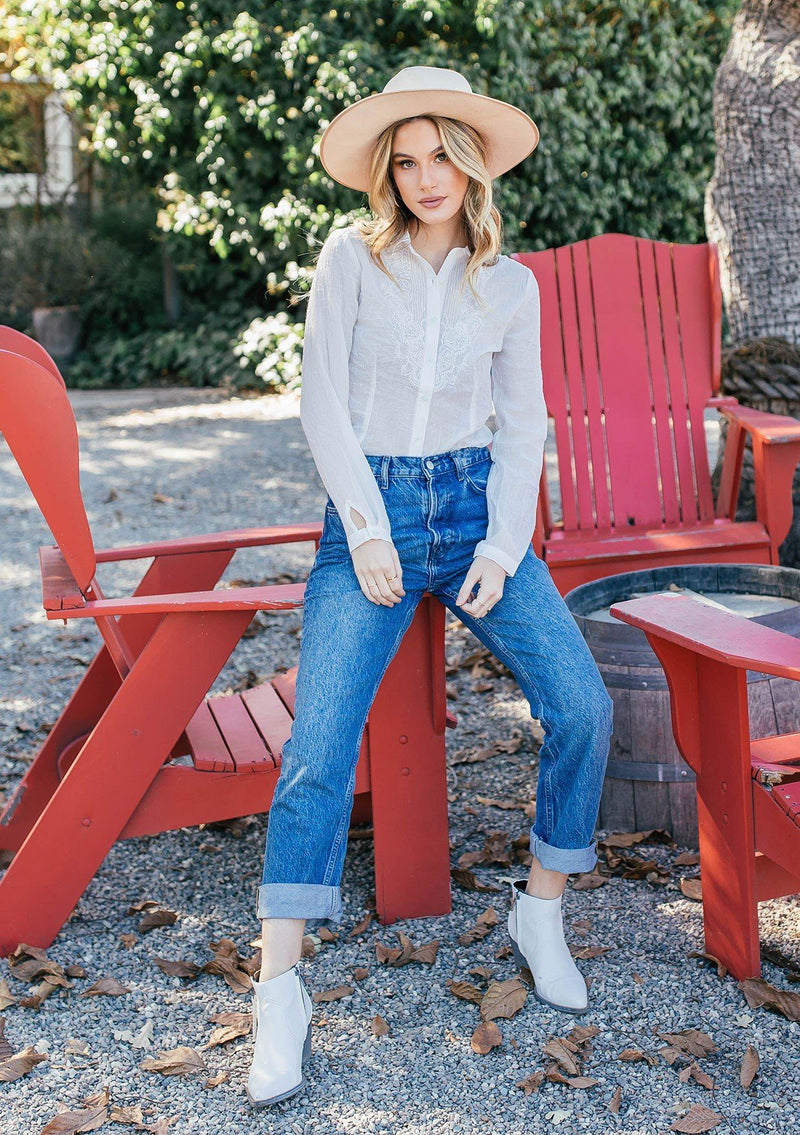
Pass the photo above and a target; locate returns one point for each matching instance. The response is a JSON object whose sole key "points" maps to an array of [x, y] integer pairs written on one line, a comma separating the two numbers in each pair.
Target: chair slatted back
{"points": [[630, 354], [38, 424]]}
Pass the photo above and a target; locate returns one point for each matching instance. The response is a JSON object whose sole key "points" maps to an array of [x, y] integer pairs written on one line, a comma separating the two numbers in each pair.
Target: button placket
{"points": [[428, 376]]}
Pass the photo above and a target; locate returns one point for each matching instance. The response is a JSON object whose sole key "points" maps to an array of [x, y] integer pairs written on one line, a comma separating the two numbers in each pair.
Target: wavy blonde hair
{"points": [[466, 149]]}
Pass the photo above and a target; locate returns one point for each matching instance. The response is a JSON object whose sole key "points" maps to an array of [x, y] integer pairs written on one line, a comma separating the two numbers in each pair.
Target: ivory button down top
{"points": [[415, 368]]}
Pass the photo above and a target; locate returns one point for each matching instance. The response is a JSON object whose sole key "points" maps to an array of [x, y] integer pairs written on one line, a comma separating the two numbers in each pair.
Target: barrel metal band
{"points": [[649, 770]]}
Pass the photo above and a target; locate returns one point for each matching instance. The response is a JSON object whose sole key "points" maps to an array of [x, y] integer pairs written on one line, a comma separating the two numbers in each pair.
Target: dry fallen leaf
{"points": [[20, 1064], [589, 881], [360, 972], [615, 1101], [503, 999], [698, 1118], [694, 1071], [562, 1051], [408, 952], [6, 996], [759, 992], [469, 881], [749, 1066], [361, 926], [486, 1037], [126, 1113], [533, 1082], [178, 1061], [691, 1042], [636, 1054], [214, 1081], [379, 1026], [721, 969], [87, 1118], [105, 986], [232, 1025], [692, 889], [178, 967], [332, 994], [157, 917], [465, 990], [485, 922]]}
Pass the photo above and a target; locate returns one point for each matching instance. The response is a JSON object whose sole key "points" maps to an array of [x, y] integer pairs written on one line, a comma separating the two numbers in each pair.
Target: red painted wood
{"points": [[244, 741], [103, 773], [19, 344], [206, 742], [91, 805], [409, 782], [180, 797], [37, 423], [270, 716], [749, 832], [630, 357]]}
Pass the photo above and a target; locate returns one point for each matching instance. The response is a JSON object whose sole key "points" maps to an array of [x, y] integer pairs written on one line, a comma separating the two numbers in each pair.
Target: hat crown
{"points": [[427, 79]]}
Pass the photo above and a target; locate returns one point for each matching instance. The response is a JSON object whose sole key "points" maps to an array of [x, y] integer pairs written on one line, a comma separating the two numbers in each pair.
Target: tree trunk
{"points": [[752, 203], [752, 213]]}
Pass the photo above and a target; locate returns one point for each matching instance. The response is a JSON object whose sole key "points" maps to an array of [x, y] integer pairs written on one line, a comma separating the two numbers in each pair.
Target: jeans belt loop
{"points": [[459, 461], [385, 471]]}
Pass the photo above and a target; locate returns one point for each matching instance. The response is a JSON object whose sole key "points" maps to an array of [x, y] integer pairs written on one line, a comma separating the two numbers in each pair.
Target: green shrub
{"points": [[218, 111]]}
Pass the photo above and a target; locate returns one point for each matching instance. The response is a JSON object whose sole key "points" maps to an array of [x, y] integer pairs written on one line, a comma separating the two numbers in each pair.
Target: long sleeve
{"points": [[325, 384], [518, 443]]}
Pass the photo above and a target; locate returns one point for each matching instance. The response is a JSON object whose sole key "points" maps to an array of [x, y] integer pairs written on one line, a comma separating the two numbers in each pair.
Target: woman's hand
{"points": [[375, 561], [491, 578]]}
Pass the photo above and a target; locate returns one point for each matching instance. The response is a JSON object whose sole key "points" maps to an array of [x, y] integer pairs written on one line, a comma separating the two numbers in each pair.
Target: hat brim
{"points": [[346, 145]]}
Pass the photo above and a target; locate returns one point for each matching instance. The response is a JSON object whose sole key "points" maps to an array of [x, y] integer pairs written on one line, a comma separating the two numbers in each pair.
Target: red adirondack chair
{"points": [[631, 340], [748, 792], [108, 770]]}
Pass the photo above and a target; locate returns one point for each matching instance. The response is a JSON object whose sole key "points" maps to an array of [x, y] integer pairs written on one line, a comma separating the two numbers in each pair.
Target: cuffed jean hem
{"points": [[318, 904], [568, 860]]}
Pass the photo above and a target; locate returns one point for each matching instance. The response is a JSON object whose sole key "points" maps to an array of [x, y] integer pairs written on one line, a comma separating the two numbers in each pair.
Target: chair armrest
{"points": [[214, 542], [716, 634], [774, 429], [276, 597]]}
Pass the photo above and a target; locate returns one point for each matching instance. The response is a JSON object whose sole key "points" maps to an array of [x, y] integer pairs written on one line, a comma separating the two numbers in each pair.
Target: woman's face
{"points": [[422, 169]]}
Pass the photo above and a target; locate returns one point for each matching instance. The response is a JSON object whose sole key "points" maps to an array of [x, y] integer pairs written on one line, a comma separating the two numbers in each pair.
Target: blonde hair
{"points": [[466, 149]]}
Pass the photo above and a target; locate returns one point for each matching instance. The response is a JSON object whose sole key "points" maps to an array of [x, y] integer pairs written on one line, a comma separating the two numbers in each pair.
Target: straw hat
{"points": [[347, 142]]}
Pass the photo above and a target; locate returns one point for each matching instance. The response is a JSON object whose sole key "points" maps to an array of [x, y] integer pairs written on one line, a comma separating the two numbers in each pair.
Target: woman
{"points": [[416, 328]]}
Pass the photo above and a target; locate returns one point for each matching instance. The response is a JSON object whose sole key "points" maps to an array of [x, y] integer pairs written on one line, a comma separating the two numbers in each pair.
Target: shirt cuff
{"points": [[491, 552], [371, 532]]}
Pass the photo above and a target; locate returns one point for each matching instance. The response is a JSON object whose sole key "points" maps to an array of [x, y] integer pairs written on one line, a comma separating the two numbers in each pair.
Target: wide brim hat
{"points": [[347, 143]]}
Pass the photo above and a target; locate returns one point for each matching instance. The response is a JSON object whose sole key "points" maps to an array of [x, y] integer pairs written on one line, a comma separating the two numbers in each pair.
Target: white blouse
{"points": [[416, 369]]}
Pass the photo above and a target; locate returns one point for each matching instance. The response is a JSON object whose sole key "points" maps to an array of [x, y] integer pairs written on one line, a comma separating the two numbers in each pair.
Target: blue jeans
{"points": [[437, 509]]}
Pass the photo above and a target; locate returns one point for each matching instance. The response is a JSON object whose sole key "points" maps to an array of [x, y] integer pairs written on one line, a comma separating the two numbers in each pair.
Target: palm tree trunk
{"points": [[752, 203], [752, 213]]}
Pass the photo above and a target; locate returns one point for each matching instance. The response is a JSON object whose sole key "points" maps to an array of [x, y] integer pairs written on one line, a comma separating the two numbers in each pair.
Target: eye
{"points": [[402, 162]]}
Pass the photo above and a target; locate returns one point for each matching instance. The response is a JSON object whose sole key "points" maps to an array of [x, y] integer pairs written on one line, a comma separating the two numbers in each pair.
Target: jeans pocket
{"points": [[477, 475]]}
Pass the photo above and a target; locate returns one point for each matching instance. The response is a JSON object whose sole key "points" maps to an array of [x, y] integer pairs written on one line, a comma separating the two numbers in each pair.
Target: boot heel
{"points": [[518, 956]]}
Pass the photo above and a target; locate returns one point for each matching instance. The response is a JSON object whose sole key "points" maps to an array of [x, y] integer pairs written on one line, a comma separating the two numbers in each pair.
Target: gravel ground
{"points": [[230, 462]]}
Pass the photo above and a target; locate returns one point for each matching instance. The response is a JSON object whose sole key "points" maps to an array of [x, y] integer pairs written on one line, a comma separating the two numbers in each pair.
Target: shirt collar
{"points": [[406, 239]]}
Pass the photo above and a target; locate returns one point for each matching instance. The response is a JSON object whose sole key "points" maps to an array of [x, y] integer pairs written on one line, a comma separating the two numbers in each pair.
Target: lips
{"points": [[431, 200]]}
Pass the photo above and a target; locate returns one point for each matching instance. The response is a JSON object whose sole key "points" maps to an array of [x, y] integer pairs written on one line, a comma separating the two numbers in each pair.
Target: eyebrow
{"points": [[433, 151]]}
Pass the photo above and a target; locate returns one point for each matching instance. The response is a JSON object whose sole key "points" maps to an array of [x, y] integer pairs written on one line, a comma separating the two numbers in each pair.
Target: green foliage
{"points": [[212, 350], [218, 108]]}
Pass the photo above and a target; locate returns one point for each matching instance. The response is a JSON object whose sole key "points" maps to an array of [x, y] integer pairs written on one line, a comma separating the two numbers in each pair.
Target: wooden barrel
{"points": [[648, 784]]}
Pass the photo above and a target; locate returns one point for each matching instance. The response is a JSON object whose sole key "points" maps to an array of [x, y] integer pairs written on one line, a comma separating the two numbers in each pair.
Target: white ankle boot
{"points": [[537, 939], [282, 1034]]}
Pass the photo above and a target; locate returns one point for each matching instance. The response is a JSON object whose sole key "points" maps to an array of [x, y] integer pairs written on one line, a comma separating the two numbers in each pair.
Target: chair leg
{"points": [[104, 784], [408, 776], [725, 819], [167, 574]]}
